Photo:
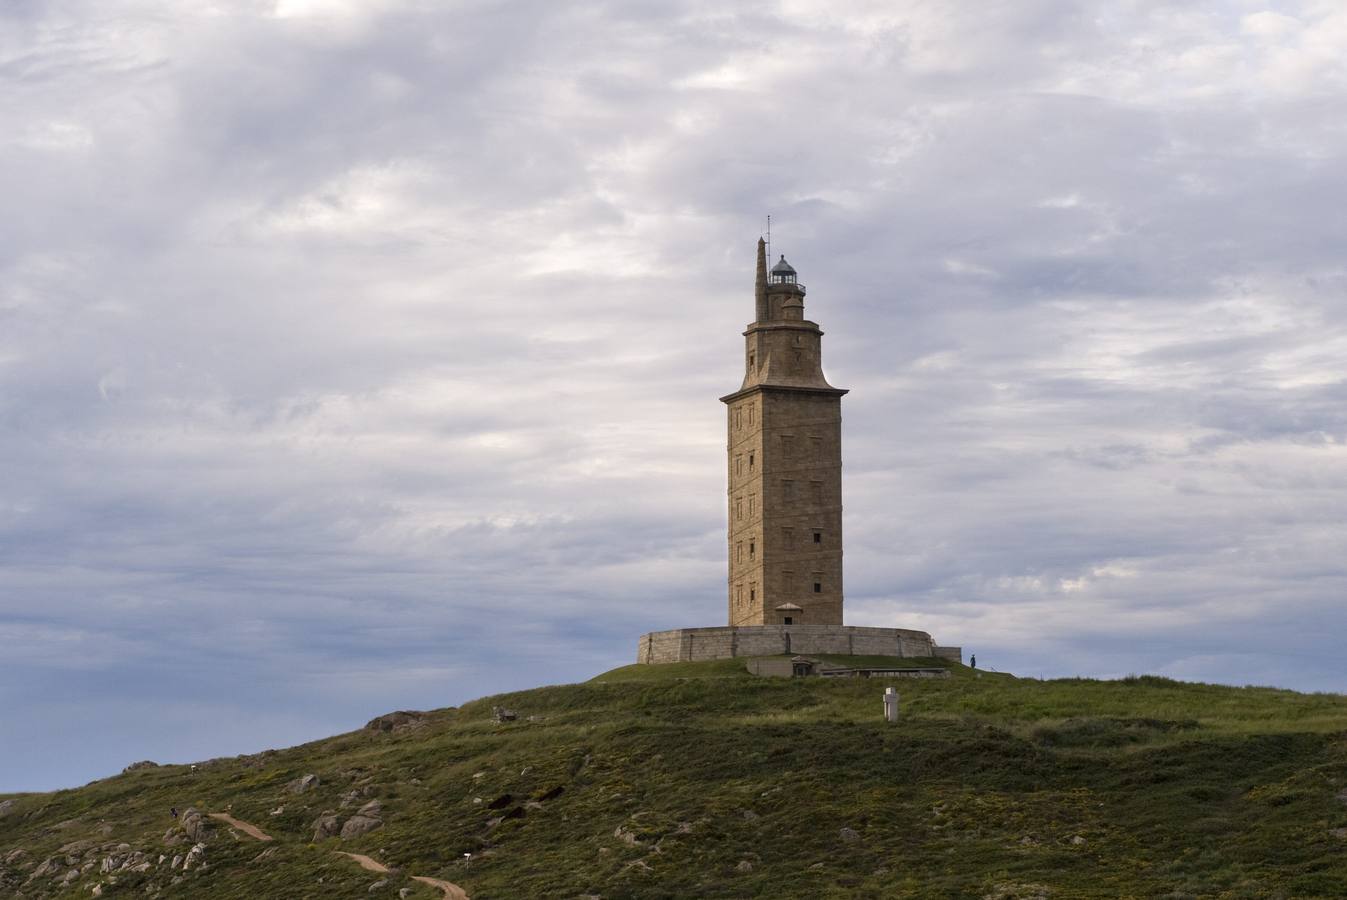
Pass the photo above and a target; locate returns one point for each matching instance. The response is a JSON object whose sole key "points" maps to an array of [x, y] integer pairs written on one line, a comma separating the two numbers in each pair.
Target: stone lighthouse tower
{"points": [[785, 466]]}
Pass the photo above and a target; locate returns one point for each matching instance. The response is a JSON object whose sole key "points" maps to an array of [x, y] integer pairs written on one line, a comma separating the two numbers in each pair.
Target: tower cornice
{"points": [[785, 389]]}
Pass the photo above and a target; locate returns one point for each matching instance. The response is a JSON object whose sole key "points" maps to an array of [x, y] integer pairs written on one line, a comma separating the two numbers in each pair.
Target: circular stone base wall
{"points": [[726, 642]]}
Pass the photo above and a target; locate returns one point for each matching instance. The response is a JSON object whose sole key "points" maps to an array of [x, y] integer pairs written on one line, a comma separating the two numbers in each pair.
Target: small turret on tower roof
{"points": [[760, 286], [783, 272]]}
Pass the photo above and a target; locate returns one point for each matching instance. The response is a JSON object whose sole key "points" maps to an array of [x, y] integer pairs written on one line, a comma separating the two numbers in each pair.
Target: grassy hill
{"points": [[699, 780]]}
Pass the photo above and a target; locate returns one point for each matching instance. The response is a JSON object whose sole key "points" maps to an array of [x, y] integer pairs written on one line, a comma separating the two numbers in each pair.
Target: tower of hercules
{"points": [[785, 466]]}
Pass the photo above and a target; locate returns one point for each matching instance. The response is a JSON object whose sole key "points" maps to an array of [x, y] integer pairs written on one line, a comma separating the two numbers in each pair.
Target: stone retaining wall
{"points": [[726, 642]]}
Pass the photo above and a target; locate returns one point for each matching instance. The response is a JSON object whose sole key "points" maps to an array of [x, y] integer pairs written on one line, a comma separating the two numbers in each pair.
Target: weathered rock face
{"points": [[143, 764], [6, 807], [303, 783], [401, 720], [328, 825]]}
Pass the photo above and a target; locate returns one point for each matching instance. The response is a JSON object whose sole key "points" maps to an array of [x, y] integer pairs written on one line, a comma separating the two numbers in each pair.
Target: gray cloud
{"points": [[343, 343]]}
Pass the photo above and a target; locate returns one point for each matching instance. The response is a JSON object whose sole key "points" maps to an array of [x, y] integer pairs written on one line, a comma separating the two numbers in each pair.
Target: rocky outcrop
{"points": [[302, 784], [195, 825], [401, 720], [195, 858], [6, 807], [143, 764]]}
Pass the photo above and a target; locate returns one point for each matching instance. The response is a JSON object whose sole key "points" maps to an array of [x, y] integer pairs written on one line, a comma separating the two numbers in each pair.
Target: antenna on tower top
{"points": [[769, 236]]}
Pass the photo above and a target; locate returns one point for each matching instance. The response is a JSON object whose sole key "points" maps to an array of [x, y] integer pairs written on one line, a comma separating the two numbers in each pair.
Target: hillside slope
{"points": [[700, 780]]}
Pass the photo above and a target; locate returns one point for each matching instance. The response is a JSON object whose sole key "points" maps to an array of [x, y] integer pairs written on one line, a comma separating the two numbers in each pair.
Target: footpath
{"points": [[451, 890]]}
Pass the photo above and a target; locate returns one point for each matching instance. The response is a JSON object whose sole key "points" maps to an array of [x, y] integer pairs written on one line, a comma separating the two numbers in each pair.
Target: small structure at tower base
{"points": [[728, 642]]}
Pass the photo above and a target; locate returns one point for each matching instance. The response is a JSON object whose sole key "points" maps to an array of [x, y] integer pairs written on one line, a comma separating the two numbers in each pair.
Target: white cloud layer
{"points": [[365, 355]]}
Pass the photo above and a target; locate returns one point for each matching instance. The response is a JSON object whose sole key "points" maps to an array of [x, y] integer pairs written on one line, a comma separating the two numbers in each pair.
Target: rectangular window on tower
{"points": [[739, 595], [739, 551], [788, 538], [750, 414], [753, 592], [752, 504], [752, 361], [738, 418], [738, 465], [818, 537], [818, 582], [738, 507], [752, 550], [750, 462]]}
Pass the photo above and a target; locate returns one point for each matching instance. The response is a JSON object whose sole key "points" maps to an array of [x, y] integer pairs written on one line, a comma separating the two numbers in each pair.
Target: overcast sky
{"points": [[364, 354]]}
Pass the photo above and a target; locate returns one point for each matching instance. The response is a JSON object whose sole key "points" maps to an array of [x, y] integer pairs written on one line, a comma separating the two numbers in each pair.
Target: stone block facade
{"points": [[728, 642]]}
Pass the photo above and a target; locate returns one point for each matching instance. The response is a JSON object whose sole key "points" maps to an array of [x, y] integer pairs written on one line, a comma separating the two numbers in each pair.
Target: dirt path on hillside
{"points": [[369, 865], [251, 830], [451, 890]]}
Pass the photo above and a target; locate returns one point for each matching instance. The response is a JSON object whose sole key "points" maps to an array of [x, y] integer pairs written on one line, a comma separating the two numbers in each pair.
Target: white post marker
{"points": [[890, 704]]}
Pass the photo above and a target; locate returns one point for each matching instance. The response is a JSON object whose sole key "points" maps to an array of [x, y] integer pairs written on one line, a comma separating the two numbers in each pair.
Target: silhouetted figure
{"points": [[174, 811], [973, 660]]}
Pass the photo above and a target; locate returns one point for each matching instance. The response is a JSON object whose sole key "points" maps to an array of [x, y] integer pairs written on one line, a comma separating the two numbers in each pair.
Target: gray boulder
{"points": [[6, 807], [328, 825], [302, 783], [358, 826]]}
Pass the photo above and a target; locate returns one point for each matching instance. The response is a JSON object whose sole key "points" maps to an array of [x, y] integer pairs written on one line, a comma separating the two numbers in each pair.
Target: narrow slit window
{"points": [[752, 550], [818, 537], [818, 587]]}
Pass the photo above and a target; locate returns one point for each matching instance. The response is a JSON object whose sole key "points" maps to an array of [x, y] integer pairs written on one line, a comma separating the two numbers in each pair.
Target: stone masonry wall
{"points": [[697, 644]]}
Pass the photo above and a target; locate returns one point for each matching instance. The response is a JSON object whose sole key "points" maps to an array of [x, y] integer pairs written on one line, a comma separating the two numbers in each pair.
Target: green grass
{"points": [[988, 786]]}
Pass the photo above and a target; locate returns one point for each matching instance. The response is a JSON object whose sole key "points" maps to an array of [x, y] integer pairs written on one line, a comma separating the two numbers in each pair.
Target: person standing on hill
{"points": [[973, 660]]}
